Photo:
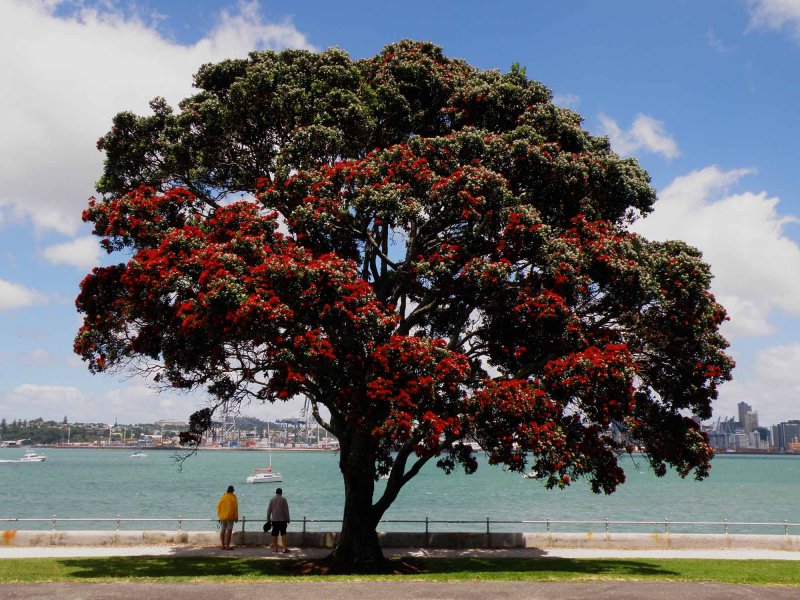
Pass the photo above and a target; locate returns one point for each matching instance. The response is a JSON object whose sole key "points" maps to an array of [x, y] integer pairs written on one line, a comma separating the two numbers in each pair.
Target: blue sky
{"points": [[703, 94]]}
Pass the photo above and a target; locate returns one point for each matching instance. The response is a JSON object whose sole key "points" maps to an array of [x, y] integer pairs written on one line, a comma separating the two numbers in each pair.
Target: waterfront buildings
{"points": [[745, 435], [786, 436]]}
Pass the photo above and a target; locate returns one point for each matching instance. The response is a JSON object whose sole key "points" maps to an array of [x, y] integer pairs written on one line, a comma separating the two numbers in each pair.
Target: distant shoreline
{"points": [[717, 454], [163, 448]]}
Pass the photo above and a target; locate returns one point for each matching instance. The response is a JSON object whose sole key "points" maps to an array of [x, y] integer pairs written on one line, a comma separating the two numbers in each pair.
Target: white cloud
{"points": [[646, 133], [13, 295], [567, 100], [139, 403], [772, 389], [83, 253], [717, 44], [778, 365], [51, 402], [741, 236], [775, 14], [136, 403], [65, 77]]}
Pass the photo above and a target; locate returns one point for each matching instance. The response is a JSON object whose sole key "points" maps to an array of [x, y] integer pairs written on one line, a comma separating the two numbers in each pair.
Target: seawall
{"points": [[453, 540]]}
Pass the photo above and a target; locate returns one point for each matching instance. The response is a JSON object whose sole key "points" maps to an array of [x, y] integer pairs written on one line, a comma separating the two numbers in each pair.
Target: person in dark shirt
{"points": [[278, 513]]}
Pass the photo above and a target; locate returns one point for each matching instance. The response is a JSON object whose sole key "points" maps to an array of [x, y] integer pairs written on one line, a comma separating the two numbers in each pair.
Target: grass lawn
{"points": [[219, 569]]}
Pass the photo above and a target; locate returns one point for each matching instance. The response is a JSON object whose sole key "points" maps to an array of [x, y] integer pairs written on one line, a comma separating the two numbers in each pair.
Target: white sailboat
{"points": [[265, 474]]}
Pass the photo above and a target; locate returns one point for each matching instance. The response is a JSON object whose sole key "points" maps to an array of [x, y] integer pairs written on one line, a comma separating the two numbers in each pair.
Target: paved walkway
{"points": [[260, 551], [405, 590]]}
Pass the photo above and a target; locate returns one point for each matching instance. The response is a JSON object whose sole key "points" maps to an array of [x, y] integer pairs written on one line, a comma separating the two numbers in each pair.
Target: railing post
{"points": [[117, 522], [488, 534], [725, 523], [427, 533], [53, 524], [548, 524], [786, 528], [244, 520], [666, 525], [606, 525], [304, 530], [180, 523]]}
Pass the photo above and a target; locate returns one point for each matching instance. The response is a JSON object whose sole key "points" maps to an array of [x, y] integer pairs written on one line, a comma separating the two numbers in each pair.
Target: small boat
{"points": [[265, 474], [530, 475], [265, 478], [31, 456], [138, 454]]}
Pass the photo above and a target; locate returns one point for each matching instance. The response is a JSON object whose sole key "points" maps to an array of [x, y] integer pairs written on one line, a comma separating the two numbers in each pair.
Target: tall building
{"points": [[744, 408], [750, 422]]}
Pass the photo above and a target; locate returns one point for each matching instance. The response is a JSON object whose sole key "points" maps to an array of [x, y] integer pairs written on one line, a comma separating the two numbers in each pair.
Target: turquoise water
{"points": [[106, 483]]}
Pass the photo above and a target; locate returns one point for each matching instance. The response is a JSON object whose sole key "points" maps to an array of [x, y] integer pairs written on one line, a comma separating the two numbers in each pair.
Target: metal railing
{"points": [[491, 525]]}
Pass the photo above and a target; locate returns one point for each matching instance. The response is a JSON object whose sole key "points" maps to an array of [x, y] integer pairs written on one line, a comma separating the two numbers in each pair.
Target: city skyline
{"points": [[695, 93]]}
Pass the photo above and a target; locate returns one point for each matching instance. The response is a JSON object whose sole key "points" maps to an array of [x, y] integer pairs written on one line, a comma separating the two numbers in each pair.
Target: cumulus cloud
{"points": [[30, 401], [742, 236], [13, 295], [776, 15], [130, 404], [772, 389], [64, 77], [83, 253], [646, 133], [135, 404], [126, 405]]}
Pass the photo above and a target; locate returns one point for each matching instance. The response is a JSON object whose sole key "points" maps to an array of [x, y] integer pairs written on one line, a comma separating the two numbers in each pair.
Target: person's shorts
{"points": [[226, 525], [279, 527]]}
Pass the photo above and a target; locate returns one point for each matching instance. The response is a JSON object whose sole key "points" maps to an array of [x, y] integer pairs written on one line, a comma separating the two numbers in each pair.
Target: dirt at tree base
{"points": [[327, 566]]}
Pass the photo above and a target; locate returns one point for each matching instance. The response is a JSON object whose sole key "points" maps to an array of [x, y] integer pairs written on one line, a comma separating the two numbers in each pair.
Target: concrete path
{"points": [[260, 551], [416, 590]]}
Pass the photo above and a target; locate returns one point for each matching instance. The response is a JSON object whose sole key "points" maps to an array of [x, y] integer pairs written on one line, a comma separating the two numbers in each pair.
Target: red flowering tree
{"points": [[429, 253]]}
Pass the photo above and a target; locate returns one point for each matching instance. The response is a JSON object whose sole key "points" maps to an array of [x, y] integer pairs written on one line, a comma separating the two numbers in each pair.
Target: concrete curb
{"points": [[443, 540]]}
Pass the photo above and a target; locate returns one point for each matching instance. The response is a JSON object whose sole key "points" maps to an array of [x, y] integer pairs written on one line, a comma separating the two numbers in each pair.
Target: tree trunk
{"points": [[358, 548]]}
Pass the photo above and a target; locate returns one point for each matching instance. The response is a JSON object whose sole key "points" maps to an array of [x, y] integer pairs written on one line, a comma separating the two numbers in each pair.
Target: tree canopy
{"points": [[428, 252]]}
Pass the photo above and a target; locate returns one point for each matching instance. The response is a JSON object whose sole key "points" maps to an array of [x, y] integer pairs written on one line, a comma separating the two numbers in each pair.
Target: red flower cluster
{"points": [[418, 383]]}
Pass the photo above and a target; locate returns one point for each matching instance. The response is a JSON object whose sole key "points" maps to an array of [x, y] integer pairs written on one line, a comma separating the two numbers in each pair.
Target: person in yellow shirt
{"points": [[228, 514]]}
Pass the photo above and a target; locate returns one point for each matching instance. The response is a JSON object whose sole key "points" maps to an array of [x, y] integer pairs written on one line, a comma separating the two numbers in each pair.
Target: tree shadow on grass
{"points": [[169, 567], [559, 567], [495, 568], [194, 567]]}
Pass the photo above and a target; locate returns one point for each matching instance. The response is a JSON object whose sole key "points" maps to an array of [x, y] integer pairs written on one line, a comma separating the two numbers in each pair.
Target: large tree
{"points": [[428, 252]]}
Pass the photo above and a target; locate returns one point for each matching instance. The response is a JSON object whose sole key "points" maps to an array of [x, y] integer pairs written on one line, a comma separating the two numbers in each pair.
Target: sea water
{"points": [[104, 483]]}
